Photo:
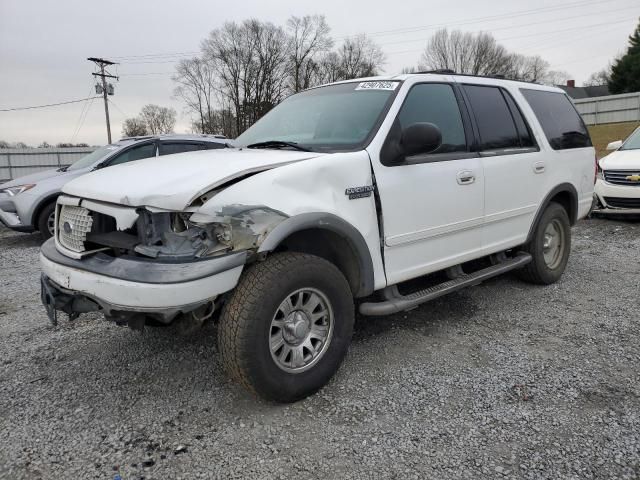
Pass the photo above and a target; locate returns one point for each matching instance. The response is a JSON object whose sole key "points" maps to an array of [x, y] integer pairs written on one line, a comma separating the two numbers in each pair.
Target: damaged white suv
{"points": [[341, 192]]}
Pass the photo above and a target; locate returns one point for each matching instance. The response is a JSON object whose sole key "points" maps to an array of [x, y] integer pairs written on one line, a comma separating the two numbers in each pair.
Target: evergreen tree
{"points": [[625, 73]]}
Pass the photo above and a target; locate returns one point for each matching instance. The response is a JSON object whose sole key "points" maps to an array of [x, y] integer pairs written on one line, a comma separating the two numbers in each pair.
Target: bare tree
{"points": [[158, 119], [250, 61], [309, 39], [134, 127], [196, 87], [601, 77], [360, 57], [467, 53]]}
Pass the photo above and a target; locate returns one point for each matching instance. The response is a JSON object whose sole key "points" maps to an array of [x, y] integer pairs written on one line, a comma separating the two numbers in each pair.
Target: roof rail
{"points": [[447, 71]]}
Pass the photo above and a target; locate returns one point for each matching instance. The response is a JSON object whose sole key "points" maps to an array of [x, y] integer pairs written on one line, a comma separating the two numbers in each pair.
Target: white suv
{"points": [[341, 192]]}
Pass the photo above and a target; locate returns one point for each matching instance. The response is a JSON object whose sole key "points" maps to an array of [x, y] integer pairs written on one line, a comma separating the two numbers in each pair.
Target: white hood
{"points": [[174, 181], [621, 160]]}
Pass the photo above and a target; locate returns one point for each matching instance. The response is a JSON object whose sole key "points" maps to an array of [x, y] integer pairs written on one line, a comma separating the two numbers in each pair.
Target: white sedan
{"points": [[617, 187]]}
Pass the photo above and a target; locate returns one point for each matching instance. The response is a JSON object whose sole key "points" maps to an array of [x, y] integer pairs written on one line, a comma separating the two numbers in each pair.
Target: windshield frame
{"points": [[363, 144], [635, 133]]}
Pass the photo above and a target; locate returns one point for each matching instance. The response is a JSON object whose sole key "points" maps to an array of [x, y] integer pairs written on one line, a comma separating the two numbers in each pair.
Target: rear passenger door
{"points": [[514, 167]]}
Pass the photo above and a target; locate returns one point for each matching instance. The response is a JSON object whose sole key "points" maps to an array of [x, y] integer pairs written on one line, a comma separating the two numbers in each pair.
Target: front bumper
{"points": [[624, 194], [117, 285], [9, 215]]}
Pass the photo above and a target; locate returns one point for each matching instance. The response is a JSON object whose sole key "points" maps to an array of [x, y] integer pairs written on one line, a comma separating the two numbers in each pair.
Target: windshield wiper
{"points": [[278, 144], [63, 169]]}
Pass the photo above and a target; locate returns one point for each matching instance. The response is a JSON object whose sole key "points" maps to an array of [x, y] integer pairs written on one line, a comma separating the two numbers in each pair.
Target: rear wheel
{"points": [[549, 247], [287, 326], [46, 221]]}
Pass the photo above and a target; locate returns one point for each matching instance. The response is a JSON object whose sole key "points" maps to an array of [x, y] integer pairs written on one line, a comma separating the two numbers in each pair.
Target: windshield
{"points": [[633, 142], [333, 118], [93, 157]]}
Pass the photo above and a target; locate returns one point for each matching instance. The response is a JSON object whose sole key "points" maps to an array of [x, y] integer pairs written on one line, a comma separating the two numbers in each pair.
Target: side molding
{"points": [[562, 188], [333, 223]]}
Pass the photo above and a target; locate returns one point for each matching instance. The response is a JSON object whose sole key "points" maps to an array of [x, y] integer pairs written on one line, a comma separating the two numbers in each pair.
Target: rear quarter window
{"points": [[560, 121]]}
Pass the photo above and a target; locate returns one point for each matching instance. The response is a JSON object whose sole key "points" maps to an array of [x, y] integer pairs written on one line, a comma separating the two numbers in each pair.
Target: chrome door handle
{"points": [[465, 177], [538, 167]]}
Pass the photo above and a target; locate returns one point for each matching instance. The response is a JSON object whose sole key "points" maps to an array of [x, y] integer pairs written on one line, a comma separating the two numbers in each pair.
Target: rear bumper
{"points": [[125, 285]]}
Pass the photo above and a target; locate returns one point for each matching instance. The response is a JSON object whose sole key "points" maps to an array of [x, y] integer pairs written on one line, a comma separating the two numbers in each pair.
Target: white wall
{"points": [[611, 109], [17, 162]]}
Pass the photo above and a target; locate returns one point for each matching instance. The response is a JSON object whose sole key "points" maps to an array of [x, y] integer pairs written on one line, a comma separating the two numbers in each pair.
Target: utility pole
{"points": [[101, 63]]}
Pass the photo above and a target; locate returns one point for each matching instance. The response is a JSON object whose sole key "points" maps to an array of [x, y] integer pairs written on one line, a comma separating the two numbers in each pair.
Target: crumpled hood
{"points": [[174, 181], [621, 160], [32, 178]]}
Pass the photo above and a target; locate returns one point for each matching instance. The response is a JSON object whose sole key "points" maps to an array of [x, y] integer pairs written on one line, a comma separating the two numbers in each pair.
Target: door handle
{"points": [[466, 177], [538, 167]]}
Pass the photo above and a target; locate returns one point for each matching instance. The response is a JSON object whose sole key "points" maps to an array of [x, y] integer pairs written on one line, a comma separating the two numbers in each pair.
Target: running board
{"points": [[396, 302]]}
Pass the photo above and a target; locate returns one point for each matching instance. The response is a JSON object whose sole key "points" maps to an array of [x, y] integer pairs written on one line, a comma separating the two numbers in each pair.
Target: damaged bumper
{"points": [[121, 287]]}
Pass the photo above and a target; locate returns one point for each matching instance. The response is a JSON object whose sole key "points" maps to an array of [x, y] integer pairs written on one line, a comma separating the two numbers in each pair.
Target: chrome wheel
{"points": [[51, 223], [301, 330], [553, 244]]}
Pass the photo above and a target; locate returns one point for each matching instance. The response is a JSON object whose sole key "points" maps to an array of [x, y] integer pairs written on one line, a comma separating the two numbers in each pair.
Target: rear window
{"points": [[560, 121]]}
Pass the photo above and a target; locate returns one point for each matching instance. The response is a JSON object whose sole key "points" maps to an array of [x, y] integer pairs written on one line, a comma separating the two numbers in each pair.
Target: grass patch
{"points": [[603, 134]]}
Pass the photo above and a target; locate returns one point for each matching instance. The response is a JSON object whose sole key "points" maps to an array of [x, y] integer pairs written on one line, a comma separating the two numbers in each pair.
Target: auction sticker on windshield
{"points": [[377, 86]]}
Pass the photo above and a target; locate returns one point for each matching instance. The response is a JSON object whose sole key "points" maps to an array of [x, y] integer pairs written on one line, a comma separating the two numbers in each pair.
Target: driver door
{"points": [[432, 203]]}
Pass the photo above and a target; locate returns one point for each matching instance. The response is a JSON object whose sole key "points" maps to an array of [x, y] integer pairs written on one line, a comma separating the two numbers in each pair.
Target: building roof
{"points": [[586, 92]]}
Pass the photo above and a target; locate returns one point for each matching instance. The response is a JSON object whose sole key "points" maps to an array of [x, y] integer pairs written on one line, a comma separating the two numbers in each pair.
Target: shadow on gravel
{"points": [[19, 240]]}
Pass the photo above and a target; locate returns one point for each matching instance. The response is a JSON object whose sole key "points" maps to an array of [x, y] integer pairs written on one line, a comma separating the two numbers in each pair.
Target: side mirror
{"points": [[420, 138], [614, 145]]}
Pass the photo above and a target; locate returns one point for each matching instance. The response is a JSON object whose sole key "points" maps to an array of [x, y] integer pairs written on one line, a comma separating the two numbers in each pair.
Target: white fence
{"points": [[17, 162], [610, 109]]}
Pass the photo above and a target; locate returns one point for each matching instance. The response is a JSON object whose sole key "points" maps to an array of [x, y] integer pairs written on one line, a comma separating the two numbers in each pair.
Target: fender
{"points": [[41, 204], [333, 223], [573, 213]]}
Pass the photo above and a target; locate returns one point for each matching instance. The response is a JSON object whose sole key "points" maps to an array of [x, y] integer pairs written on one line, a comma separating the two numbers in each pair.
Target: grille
{"points": [[618, 202], [73, 225], [619, 177]]}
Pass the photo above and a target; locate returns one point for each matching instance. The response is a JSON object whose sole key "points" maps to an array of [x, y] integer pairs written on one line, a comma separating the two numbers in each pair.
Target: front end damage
{"points": [[145, 265]]}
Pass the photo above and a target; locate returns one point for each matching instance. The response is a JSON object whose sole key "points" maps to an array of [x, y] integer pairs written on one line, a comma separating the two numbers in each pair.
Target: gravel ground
{"points": [[501, 380]]}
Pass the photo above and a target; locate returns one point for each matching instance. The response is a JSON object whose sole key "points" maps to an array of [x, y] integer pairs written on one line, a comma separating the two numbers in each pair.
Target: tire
{"points": [[44, 218], [250, 318], [547, 267]]}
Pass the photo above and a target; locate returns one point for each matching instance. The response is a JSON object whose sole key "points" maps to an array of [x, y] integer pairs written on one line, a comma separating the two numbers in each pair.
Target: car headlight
{"points": [[196, 235], [13, 191]]}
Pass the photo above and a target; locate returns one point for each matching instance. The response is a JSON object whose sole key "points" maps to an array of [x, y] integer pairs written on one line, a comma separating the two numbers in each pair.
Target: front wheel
{"points": [[47, 221], [287, 326], [549, 247]]}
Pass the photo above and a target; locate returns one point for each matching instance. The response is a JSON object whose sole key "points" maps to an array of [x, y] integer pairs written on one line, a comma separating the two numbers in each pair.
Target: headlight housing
{"points": [[13, 191]]}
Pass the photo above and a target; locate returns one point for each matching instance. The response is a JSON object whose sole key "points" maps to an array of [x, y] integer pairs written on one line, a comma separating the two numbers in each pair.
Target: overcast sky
{"points": [[44, 45]]}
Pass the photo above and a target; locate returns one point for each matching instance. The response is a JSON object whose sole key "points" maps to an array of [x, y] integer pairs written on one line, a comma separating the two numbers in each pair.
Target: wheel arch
{"points": [[566, 195], [330, 237], [41, 205]]}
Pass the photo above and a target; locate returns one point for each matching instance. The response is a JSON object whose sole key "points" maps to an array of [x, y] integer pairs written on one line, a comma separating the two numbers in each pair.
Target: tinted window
{"points": [[135, 153], [435, 103], [177, 147], [495, 122], [526, 138], [560, 121]]}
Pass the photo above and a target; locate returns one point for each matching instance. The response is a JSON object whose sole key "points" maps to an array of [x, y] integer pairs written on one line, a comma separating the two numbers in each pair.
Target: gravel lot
{"points": [[504, 379]]}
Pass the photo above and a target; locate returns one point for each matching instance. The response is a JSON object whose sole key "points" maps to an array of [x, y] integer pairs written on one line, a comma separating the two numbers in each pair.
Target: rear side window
{"points": [[495, 122], [526, 138], [167, 148], [561, 123]]}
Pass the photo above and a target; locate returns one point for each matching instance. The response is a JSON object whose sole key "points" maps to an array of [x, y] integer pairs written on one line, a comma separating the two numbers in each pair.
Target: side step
{"points": [[396, 302]]}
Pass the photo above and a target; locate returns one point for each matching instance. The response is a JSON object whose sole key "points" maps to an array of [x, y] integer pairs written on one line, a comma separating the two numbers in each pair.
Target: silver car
{"points": [[28, 203]]}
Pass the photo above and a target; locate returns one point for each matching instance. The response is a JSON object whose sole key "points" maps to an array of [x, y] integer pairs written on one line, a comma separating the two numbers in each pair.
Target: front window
{"points": [[328, 119], [93, 157], [633, 142]]}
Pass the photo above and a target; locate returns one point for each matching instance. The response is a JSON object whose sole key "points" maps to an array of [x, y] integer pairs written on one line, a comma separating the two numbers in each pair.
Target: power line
{"points": [[82, 119], [45, 106], [82, 114]]}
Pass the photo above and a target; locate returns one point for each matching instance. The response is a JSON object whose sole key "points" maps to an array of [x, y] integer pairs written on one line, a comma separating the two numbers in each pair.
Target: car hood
{"points": [[174, 181], [33, 178], [621, 160]]}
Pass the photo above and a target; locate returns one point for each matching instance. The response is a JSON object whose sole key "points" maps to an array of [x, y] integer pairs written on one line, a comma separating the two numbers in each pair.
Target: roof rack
{"points": [[497, 76]]}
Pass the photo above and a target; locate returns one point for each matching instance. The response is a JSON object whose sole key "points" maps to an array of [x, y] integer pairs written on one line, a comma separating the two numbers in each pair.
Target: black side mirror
{"points": [[419, 138]]}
